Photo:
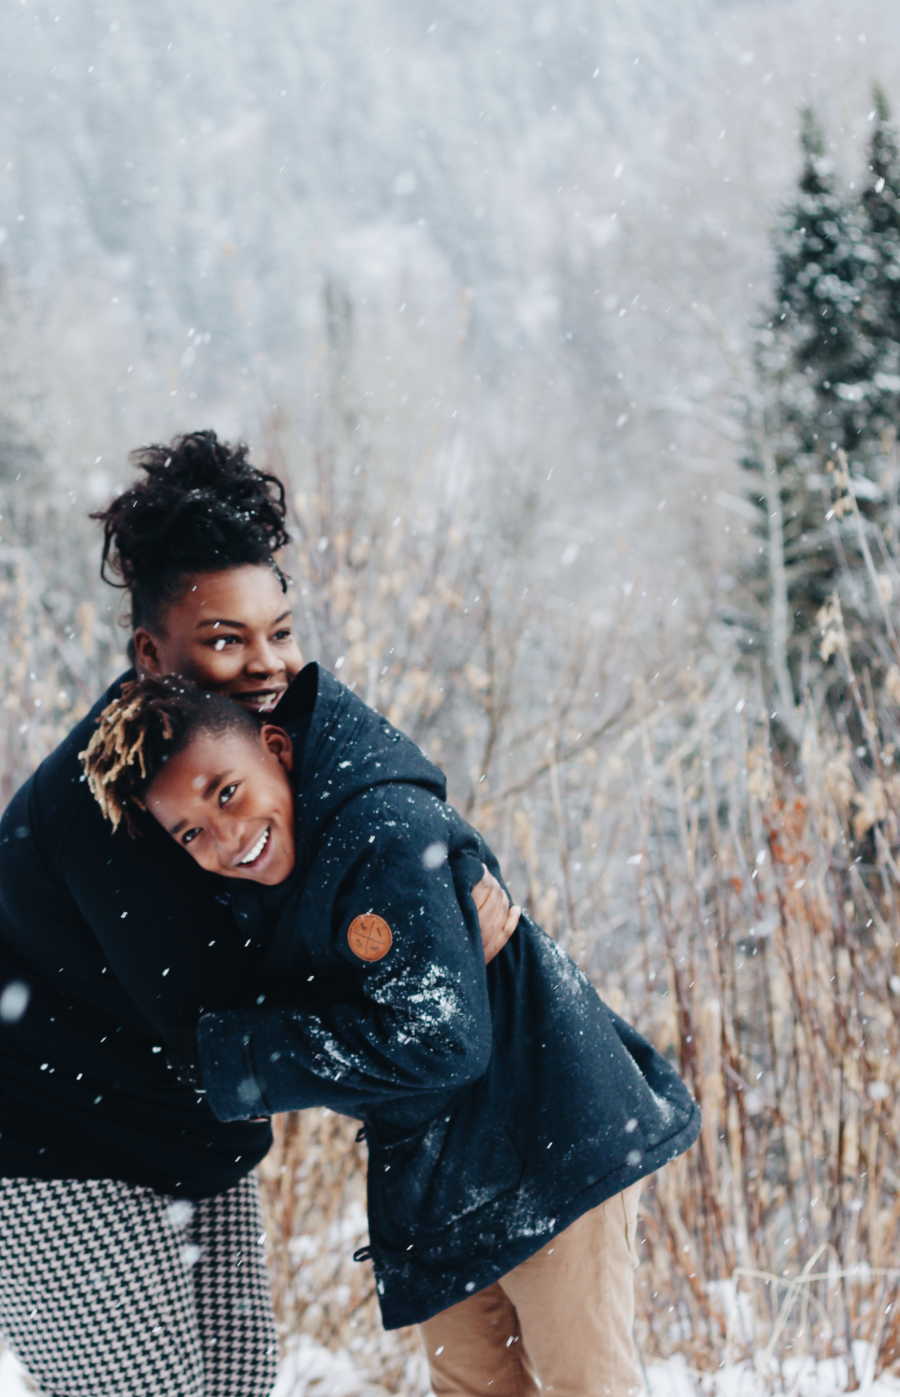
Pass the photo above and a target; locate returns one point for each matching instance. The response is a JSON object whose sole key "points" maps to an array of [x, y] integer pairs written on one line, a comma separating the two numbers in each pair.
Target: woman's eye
{"points": [[222, 642], [189, 836], [226, 793], [282, 635]]}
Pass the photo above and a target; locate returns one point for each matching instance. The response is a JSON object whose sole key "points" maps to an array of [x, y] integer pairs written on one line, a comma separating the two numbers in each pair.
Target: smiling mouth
{"points": [[254, 854], [260, 700]]}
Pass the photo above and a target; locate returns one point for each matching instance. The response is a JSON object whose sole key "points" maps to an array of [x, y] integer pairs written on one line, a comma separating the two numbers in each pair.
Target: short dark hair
{"points": [[152, 720], [202, 507]]}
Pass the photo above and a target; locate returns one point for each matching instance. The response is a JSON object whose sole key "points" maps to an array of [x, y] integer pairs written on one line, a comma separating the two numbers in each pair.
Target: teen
{"points": [[509, 1113], [107, 949]]}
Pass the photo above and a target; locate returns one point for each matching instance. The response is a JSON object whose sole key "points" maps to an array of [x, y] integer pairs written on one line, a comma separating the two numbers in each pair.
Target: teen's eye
{"points": [[222, 642], [283, 635], [190, 835], [227, 792]]}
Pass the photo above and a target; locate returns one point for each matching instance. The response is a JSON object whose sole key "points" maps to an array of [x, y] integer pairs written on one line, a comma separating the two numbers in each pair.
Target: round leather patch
{"points": [[369, 937]]}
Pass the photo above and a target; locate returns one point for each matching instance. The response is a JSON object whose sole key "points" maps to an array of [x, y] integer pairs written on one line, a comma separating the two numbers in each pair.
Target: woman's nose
{"points": [[261, 658]]}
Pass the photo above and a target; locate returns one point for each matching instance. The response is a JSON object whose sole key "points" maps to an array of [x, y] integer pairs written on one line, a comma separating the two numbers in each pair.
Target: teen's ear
{"points": [[146, 653], [279, 744]]}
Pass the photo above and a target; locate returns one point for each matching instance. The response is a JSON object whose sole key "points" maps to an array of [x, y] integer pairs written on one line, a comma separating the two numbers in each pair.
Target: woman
{"points": [[130, 1254]]}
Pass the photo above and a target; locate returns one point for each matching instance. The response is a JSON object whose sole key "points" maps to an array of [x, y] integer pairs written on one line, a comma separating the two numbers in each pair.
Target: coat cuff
{"points": [[226, 1071]]}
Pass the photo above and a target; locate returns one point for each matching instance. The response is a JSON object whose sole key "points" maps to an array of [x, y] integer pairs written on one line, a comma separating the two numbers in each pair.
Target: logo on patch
{"points": [[369, 937]]}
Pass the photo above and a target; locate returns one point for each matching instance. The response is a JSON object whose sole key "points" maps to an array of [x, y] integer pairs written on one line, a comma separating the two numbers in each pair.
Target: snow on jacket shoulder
{"points": [[500, 1102]]}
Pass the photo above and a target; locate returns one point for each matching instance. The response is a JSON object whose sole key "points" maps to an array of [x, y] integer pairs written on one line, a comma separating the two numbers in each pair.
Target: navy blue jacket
{"points": [[119, 942], [500, 1102]]}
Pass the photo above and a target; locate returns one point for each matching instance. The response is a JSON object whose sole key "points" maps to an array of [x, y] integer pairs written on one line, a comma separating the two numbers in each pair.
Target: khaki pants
{"points": [[559, 1323]]}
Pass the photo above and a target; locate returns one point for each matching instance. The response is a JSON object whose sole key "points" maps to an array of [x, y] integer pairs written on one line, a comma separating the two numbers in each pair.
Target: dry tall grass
{"points": [[778, 1235]]}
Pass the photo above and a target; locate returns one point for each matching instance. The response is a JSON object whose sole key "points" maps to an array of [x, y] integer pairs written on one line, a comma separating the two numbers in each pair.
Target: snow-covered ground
{"points": [[802, 1379], [313, 1371]]}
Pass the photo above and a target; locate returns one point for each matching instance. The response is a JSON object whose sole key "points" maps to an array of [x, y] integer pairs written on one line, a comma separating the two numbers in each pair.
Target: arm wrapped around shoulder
{"points": [[416, 1017]]}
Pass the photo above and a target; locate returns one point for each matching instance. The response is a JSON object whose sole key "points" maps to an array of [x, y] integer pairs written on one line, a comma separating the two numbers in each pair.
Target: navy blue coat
{"points": [[118, 943], [500, 1102]]}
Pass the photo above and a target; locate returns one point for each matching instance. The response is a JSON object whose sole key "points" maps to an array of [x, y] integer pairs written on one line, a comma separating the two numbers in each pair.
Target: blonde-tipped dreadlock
{"points": [[150, 721], [113, 760]]}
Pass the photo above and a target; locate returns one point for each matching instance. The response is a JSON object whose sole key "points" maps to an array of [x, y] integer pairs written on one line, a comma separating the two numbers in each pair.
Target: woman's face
{"points": [[226, 798], [231, 632]]}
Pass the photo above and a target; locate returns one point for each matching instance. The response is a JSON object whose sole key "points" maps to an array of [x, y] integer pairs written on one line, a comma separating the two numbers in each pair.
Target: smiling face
{"points": [[227, 800], [231, 632]]}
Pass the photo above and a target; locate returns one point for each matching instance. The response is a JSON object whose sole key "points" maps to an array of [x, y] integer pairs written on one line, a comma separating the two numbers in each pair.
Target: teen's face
{"points": [[231, 632], [227, 800]]}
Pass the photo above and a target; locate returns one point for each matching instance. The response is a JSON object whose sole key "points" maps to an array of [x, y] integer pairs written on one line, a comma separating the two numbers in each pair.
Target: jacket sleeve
{"points": [[416, 1017]]}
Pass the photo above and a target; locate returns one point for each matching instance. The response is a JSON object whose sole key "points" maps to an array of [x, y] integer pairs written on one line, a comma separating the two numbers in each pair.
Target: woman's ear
{"points": [[146, 652], [279, 744]]}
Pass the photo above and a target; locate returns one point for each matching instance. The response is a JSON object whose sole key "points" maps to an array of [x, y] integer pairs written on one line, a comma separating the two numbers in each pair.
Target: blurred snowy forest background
{"points": [[575, 329]]}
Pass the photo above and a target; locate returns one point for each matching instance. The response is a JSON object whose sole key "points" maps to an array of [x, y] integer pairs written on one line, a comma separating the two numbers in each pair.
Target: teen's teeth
{"points": [[257, 849]]}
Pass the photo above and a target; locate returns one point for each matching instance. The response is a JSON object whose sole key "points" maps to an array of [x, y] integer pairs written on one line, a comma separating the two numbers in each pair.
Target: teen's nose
{"points": [[262, 659], [228, 835]]}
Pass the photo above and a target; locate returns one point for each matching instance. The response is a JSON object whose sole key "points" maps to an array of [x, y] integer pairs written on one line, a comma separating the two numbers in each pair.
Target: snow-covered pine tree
{"points": [[817, 358], [881, 218], [822, 258]]}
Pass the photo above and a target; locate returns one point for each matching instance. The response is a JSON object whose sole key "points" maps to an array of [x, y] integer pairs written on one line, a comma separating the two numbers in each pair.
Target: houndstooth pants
{"points": [[111, 1290]]}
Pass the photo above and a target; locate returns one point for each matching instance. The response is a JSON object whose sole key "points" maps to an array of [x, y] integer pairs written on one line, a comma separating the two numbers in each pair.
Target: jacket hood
{"points": [[347, 749]]}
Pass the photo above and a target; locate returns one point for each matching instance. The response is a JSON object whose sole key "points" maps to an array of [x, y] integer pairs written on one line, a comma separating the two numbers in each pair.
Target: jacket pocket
{"points": [[423, 1185]]}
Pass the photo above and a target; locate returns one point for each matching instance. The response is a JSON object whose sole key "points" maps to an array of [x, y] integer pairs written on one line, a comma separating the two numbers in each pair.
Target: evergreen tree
{"points": [[822, 339], [881, 213], [820, 390]]}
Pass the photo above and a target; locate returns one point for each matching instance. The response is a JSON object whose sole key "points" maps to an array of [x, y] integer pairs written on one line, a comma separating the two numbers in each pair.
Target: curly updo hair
{"points": [[202, 507], [151, 721]]}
